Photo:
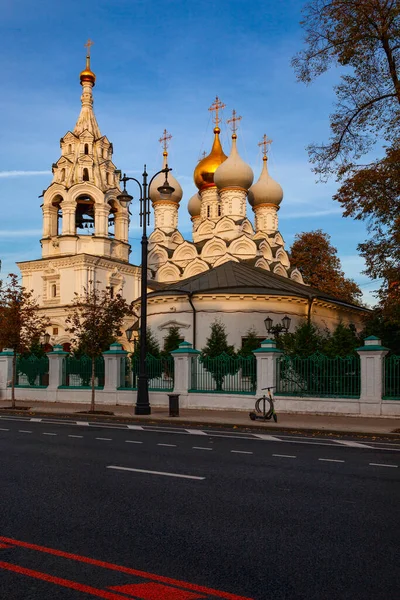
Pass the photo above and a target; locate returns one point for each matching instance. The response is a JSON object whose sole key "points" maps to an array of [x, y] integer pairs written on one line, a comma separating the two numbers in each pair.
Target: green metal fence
{"points": [[391, 377], [77, 372], [320, 376], [160, 372], [224, 373], [32, 371]]}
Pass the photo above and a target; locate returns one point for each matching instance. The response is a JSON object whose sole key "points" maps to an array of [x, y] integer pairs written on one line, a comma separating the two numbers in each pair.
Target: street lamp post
{"points": [[278, 328], [142, 401]]}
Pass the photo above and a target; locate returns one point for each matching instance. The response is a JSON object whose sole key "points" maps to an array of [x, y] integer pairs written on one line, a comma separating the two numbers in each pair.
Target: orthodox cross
{"points": [[164, 140], [233, 121], [88, 45], [217, 106], [203, 154], [265, 142]]}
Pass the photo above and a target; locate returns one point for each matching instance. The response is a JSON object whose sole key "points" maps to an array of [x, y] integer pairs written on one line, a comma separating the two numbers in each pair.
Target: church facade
{"points": [[235, 268]]}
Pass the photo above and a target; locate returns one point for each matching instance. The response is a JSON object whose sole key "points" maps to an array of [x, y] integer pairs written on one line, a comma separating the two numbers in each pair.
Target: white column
{"points": [[6, 358], [266, 357], [101, 214], [68, 218], [371, 358], [182, 367], [112, 367], [56, 360]]}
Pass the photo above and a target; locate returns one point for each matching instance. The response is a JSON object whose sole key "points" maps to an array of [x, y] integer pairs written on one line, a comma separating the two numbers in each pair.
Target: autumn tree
{"points": [[94, 322], [317, 260], [21, 324], [361, 38]]}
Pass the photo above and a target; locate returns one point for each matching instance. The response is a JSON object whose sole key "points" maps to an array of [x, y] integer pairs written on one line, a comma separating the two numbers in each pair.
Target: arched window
{"points": [[208, 211], [53, 290], [108, 178], [86, 148], [219, 211], [69, 148], [85, 175]]}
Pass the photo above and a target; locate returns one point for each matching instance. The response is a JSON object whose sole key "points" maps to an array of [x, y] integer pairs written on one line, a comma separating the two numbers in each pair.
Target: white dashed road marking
{"points": [[24, 431], [36, 420], [104, 439], [331, 460], [196, 431], [46, 433], [2, 429], [169, 445], [76, 436], [284, 455], [200, 448], [133, 442], [241, 452], [352, 444], [382, 465], [156, 473]]}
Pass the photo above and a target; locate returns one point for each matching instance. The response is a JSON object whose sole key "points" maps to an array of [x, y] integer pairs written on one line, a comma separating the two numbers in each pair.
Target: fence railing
{"points": [[320, 376], [32, 371], [391, 377], [160, 372], [77, 372], [223, 374]]}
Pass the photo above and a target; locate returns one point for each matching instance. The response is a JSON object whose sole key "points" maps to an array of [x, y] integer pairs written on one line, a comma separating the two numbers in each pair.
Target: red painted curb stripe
{"points": [[73, 585], [113, 567]]}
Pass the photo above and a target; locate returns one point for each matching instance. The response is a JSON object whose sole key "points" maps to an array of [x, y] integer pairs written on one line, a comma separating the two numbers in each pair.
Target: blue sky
{"points": [[160, 65]]}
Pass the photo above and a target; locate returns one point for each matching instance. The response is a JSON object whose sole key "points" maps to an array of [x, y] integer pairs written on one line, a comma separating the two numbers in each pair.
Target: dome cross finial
{"points": [[265, 143], [233, 122], [164, 141], [88, 45], [216, 106]]}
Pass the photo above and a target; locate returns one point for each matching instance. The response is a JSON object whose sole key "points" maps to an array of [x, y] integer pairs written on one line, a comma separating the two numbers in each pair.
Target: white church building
{"points": [[235, 267]]}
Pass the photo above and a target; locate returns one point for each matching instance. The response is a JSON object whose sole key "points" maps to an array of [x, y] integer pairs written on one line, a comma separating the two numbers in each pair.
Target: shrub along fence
{"points": [[319, 376], [223, 374], [77, 372], [391, 390], [32, 371], [160, 372]]}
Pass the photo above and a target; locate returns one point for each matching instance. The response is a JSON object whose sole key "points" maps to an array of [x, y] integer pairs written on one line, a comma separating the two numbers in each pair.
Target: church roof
{"points": [[241, 278]]}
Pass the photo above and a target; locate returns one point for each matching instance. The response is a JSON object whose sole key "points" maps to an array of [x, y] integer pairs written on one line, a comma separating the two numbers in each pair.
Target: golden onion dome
{"points": [[204, 172], [87, 74]]}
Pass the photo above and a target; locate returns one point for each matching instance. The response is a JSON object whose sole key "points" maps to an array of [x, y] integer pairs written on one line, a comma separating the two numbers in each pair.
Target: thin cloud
{"points": [[317, 213], [6, 174], [20, 233]]}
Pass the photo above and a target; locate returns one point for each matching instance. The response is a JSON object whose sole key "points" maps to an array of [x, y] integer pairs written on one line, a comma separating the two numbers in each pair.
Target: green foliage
{"points": [[172, 340], [342, 342], [304, 341], [384, 329], [251, 342], [217, 342], [153, 347]]}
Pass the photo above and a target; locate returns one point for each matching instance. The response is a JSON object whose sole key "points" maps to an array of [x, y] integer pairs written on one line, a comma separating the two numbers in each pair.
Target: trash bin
{"points": [[173, 405]]}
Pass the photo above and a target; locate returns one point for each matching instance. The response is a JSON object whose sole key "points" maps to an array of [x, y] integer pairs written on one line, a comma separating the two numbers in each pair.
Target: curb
{"points": [[203, 423]]}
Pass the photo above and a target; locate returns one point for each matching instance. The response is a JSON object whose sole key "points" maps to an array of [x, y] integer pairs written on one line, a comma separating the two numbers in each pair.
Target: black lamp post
{"points": [[278, 328], [142, 402]]}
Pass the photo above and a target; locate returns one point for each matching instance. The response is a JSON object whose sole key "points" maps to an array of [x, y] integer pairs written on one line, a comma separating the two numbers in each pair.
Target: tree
{"points": [[217, 356], [251, 342], [317, 260], [21, 323], [152, 345], [95, 322], [172, 340], [361, 36], [304, 341]]}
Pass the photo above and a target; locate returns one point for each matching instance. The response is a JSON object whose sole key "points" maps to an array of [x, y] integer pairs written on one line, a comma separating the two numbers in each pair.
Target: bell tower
{"points": [[85, 227]]}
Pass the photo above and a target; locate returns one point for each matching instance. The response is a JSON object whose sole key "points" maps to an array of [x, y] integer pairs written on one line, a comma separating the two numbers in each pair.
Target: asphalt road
{"points": [[277, 517]]}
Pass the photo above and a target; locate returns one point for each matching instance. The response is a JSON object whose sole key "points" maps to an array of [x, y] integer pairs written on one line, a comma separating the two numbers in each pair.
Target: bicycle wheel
{"points": [[268, 406]]}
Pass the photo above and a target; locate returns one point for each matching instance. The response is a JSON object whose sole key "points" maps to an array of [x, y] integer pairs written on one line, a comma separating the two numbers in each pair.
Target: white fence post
{"points": [[371, 359], [182, 367], [112, 367], [6, 358], [56, 359], [266, 357]]}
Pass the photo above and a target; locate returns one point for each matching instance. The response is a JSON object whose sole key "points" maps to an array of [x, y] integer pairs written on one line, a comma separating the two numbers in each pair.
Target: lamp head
{"points": [[268, 324], [124, 197], [286, 323], [46, 339]]}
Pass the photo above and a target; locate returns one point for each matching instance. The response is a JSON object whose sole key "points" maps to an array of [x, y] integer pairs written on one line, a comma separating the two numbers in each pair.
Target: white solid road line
{"points": [[241, 452], [169, 445], [284, 455], [46, 433], [76, 436], [133, 442], [352, 444], [200, 448], [382, 465], [104, 439], [156, 472], [196, 431], [331, 460]]}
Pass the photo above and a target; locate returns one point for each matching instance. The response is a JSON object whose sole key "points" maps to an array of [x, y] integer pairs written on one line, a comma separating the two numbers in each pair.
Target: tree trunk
{"points": [[14, 366], [93, 377]]}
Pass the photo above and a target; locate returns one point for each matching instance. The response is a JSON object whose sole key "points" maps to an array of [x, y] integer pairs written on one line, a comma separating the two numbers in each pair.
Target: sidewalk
{"points": [[218, 418]]}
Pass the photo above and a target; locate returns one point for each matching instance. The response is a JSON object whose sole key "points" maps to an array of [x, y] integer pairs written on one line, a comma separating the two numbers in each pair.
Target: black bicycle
{"points": [[264, 409]]}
